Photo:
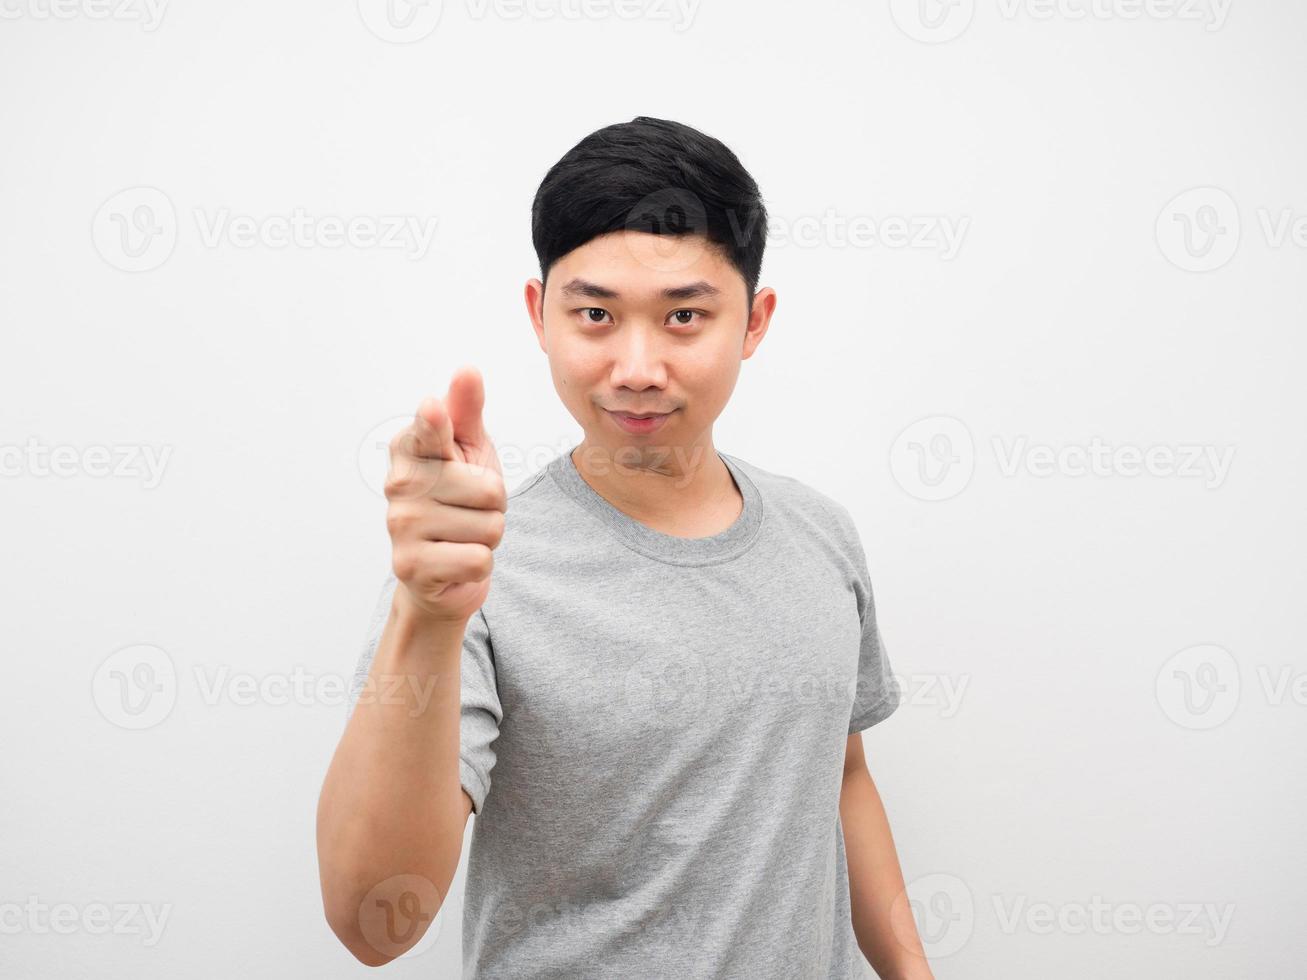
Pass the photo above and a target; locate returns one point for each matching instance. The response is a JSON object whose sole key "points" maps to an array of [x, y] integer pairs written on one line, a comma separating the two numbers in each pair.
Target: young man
{"points": [[655, 709]]}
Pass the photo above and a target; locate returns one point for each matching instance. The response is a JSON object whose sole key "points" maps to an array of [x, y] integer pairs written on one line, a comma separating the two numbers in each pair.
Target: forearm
{"points": [[882, 920], [392, 803]]}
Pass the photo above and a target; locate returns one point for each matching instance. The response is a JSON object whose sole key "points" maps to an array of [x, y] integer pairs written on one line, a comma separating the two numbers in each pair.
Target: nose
{"points": [[638, 360]]}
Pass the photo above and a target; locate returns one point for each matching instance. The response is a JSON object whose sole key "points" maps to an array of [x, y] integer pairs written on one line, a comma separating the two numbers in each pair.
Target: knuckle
{"points": [[493, 496], [401, 443], [407, 480], [404, 564], [498, 521], [399, 519], [482, 564], [398, 483]]}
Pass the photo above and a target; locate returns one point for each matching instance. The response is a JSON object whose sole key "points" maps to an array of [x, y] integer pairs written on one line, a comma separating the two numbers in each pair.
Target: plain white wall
{"points": [[1099, 769]]}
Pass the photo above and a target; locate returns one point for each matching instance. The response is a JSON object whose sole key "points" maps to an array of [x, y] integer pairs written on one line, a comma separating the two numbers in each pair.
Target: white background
{"points": [[1093, 755]]}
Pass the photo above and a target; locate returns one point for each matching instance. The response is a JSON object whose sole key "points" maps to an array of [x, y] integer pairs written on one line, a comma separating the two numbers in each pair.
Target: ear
{"points": [[764, 305], [534, 295]]}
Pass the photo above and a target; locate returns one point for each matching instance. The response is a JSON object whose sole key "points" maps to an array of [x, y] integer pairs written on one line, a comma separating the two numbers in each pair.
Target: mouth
{"points": [[638, 424]]}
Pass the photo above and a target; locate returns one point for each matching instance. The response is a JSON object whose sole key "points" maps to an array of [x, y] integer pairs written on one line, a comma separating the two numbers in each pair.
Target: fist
{"points": [[446, 504]]}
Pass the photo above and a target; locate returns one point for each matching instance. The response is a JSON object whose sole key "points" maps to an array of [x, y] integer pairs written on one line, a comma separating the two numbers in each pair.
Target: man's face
{"points": [[636, 324]]}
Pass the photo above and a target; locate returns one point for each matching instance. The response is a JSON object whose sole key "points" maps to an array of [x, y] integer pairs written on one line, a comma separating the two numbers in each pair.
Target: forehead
{"points": [[639, 266]]}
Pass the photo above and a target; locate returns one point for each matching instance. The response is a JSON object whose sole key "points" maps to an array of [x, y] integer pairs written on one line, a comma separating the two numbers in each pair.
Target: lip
{"points": [[637, 425]]}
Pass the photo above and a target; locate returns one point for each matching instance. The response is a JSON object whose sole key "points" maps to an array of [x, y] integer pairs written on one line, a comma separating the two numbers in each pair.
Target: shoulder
{"points": [[790, 490], [532, 482], [537, 490], [794, 497]]}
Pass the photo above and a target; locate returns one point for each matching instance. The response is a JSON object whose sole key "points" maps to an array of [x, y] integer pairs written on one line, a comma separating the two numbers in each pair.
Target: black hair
{"points": [[651, 175]]}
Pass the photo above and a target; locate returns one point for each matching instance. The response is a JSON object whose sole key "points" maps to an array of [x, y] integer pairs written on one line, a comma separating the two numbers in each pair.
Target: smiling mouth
{"points": [[639, 425]]}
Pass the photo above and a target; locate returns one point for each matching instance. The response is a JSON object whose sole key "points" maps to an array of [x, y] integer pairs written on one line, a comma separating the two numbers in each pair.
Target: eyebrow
{"points": [[691, 290]]}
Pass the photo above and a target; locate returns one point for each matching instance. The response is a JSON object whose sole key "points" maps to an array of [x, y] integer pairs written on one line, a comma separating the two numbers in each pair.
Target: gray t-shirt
{"points": [[653, 733]]}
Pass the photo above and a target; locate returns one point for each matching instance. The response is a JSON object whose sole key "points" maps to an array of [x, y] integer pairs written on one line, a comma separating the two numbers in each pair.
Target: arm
{"points": [[392, 804], [393, 809], [886, 934]]}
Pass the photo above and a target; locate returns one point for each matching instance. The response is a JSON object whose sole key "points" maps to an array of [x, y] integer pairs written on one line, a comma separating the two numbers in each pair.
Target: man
{"points": [[654, 703]]}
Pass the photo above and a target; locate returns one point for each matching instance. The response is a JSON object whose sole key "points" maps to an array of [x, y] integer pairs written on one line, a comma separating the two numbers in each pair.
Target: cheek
{"points": [[575, 366], [712, 370]]}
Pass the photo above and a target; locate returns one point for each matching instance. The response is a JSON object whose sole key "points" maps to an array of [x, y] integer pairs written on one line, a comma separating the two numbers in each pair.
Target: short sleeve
{"points": [[480, 713], [877, 694]]}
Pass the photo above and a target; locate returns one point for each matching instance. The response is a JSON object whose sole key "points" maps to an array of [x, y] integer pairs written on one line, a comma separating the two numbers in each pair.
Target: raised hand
{"points": [[447, 504]]}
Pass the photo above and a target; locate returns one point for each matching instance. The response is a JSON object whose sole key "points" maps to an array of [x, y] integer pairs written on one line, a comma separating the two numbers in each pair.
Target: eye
{"points": [[680, 317], [589, 311]]}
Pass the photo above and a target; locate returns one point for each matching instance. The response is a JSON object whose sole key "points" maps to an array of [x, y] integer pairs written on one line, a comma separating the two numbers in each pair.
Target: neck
{"points": [[672, 488]]}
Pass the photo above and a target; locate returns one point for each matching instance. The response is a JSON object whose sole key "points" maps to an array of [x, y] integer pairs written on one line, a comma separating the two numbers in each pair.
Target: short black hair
{"points": [[651, 175]]}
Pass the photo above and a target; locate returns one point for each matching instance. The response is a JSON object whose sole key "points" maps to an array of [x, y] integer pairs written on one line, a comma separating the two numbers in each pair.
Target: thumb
{"points": [[465, 403]]}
